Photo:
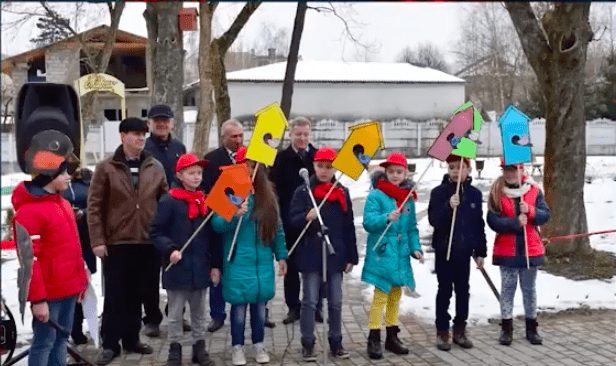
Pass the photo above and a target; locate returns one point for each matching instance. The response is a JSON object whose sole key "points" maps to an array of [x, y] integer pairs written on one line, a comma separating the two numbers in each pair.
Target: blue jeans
{"points": [[48, 346], [238, 323], [311, 284]]}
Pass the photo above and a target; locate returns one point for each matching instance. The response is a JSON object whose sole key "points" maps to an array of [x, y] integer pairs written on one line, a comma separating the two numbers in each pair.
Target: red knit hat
{"points": [[453, 158], [502, 164], [188, 160], [240, 155], [325, 154], [395, 158]]}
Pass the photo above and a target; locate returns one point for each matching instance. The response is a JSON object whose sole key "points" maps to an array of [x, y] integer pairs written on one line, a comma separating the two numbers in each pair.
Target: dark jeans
{"points": [[452, 275], [48, 346], [124, 280], [151, 264], [238, 323], [313, 283]]}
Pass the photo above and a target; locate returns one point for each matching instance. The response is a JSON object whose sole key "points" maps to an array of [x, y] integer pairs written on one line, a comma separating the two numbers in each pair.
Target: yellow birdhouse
{"points": [[359, 148], [269, 130]]}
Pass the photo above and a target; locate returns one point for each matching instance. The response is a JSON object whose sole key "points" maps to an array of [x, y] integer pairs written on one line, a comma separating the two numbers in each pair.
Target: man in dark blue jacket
{"points": [[284, 175], [167, 150], [468, 240], [161, 144]]}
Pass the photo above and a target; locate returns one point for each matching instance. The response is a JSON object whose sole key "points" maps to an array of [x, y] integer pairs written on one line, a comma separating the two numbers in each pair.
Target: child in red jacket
{"points": [[58, 269]]}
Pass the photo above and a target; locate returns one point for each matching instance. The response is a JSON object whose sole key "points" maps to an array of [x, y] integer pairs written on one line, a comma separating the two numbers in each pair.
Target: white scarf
{"points": [[520, 191]]}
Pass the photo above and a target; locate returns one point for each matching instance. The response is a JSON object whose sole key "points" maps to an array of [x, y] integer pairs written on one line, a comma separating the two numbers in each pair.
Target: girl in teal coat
{"points": [[388, 267], [248, 279]]}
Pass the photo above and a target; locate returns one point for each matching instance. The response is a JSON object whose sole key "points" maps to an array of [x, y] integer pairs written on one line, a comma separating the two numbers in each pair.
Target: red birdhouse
{"points": [[187, 18]]}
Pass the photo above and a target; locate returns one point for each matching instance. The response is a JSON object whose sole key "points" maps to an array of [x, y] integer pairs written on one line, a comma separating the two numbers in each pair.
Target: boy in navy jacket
{"points": [[337, 214], [178, 215], [468, 240]]}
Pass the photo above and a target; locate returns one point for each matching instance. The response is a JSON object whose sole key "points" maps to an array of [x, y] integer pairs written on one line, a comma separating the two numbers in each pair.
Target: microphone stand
{"points": [[326, 248]]}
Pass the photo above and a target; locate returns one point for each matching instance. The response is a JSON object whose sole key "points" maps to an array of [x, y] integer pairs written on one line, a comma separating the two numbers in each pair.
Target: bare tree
{"points": [[213, 69], [8, 93], [556, 47], [206, 90], [424, 55], [273, 36], [166, 53], [289, 77]]}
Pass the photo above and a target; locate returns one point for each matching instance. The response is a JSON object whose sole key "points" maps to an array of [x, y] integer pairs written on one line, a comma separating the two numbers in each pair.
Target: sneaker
{"points": [[237, 356], [261, 355], [308, 354], [341, 353]]}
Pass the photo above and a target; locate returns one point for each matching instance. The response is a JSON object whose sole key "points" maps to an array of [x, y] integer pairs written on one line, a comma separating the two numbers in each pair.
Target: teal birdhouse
{"points": [[515, 135]]}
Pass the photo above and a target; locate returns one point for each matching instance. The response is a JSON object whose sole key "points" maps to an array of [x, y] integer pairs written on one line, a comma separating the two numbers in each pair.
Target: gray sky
{"points": [[388, 26]]}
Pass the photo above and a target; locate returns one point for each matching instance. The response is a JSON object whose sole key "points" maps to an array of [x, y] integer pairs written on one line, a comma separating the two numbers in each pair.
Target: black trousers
{"points": [[126, 275], [292, 287], [452, 275], [151, 263], [77, 330]]}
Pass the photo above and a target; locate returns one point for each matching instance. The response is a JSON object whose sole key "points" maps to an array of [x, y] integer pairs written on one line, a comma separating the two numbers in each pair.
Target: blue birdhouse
{"points": [[515, 135]]}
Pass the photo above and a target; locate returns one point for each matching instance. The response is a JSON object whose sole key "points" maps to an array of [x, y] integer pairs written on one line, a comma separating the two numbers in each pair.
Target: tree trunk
{"points": [[206, 104], [558, 57], [218, 50], [289, 77], [167, 63]]}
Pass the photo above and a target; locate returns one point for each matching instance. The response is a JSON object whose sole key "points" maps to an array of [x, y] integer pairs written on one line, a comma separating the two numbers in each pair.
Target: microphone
{"points": [[303, 172]]}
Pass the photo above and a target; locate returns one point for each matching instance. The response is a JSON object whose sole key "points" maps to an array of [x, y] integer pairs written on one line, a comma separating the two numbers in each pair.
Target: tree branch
{"points": [[534, 41], [226, 40], [115, 13]]}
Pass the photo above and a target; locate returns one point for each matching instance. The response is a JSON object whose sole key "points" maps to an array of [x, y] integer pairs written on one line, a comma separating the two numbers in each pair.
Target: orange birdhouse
{"points": [[187, 18]]}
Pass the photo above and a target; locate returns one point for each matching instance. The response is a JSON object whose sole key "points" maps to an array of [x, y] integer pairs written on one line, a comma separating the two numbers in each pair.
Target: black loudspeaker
{"points": [[46, 106]]}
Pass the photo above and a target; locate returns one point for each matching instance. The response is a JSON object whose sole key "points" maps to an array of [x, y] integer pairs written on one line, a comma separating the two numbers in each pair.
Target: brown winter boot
{"points": [[442, 340], [459, 336]]}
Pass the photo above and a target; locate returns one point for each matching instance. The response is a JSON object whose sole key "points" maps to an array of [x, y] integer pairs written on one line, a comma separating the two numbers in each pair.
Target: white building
{"points": [[346, 91]]}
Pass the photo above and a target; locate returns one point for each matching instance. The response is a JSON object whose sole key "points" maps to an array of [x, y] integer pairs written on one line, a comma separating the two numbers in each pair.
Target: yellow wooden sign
{"points": [[359, 148], [102, 83], [269, 130]]}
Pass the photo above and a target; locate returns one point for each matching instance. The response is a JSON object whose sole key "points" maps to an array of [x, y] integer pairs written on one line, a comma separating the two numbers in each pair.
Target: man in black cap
{"points": [[167, 150], [123, 197], [161, 144]]}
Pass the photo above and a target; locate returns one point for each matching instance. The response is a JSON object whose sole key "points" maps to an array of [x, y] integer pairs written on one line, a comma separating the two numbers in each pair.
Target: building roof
{"points": [[345, 72], [94, 37]]}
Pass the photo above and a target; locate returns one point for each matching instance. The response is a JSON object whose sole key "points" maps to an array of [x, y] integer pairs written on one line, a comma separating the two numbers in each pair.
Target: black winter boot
{"points": [[375, 351], [175, 355], [459, 336], [531, 332], [200, 355], [393, 343], [506, 336], [442, 340]]}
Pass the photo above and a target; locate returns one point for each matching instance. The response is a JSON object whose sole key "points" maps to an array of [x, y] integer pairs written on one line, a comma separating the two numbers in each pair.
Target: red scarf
{"points": [[393, 191], [195, 201], [321, 189]]}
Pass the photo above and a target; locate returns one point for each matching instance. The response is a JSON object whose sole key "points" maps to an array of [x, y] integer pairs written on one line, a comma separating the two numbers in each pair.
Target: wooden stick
{"points": [[239, 222], [207, 218], [399, 209], [301, 235], [455, 210], [524, 228]]}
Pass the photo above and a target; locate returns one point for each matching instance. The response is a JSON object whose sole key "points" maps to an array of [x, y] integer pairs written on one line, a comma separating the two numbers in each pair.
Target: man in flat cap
{"points": [[123, 196]]}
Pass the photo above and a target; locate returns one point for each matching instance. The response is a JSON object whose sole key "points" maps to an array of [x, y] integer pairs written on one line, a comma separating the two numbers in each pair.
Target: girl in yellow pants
{"points": [[388, 266]]}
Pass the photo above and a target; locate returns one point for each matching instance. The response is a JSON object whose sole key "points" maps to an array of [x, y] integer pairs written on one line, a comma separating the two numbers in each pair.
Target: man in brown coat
{"points": [[123, 196]]}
